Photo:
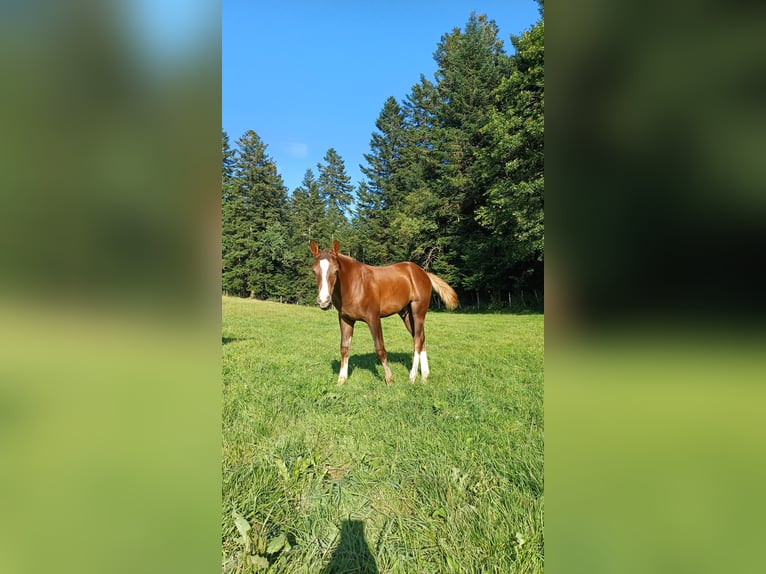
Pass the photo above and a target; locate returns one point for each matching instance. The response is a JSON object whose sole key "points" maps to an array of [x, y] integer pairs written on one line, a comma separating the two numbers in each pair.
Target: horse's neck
{"points": [[350, 268], [348, 262]]}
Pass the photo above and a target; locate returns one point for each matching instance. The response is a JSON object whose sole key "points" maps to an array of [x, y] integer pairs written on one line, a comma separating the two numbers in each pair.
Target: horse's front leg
{"points": [[346, 332], [377, 337]]}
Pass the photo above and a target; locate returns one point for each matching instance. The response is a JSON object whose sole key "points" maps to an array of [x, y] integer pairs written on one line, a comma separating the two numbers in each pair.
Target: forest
{"points": [[454, 181]]}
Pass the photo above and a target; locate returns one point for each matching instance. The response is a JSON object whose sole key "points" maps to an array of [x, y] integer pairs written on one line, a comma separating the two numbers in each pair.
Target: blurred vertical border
{"points": [[655, 363], [110, 286]]}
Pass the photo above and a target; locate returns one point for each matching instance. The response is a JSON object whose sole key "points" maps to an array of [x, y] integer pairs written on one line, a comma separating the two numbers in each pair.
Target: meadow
{"points": [[445, 476]]}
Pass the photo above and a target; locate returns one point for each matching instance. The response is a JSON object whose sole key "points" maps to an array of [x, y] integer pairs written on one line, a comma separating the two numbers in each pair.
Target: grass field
{"points": [[445, 476]]}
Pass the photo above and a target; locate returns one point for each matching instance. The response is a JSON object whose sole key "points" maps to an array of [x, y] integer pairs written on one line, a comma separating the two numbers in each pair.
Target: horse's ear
{"points": [[314, 248], [335, 247]]}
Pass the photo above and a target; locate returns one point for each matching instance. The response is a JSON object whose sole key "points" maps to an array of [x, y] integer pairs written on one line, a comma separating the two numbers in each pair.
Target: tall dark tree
{"points": [[308, 220], [307, 212], [236, 247], [369, 227], [415, 223], [258, 199], [227, 166], [381, 196], [336, 190], [471, 65], [513, 161], [258, 181], [384, 169], [422, 155], [273, 264], [237, 239]]}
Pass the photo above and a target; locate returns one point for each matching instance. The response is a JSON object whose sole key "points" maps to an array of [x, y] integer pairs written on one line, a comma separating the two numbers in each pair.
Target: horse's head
{"points": [[325, 272]]}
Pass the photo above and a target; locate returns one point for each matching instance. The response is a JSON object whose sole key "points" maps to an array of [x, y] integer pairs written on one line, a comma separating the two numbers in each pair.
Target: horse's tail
{"points": [[446, 292]]}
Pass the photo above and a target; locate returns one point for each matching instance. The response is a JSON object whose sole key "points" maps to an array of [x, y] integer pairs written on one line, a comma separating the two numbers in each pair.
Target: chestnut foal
{"points": [[365, 293]]}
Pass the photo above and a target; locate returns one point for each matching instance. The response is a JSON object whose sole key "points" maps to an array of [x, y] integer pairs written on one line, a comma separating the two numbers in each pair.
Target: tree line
{"points": [[454, 181]]}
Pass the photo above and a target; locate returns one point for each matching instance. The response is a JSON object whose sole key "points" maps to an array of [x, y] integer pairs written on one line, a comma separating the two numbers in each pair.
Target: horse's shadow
{"points": [[369, 362]]}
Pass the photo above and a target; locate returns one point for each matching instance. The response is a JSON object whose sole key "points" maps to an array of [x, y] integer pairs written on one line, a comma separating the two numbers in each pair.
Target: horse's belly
{"points": [[390, 308], [393, 297]]}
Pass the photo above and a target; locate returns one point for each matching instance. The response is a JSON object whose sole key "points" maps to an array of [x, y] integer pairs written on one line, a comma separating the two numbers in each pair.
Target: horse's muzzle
{"points": [[324, 305]]}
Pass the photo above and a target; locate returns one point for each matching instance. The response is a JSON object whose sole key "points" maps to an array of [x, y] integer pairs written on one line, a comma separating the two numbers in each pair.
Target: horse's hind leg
{"points": [[377, 337], [406, 315], [409, 321], [419, 344]]}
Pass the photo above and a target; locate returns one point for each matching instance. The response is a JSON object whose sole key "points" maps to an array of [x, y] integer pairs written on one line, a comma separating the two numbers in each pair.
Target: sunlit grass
{"points": [[436, 477]]}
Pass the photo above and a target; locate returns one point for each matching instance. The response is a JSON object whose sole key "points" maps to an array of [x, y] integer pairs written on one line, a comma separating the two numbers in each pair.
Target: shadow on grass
{"points": [[352, 553], [369, 362]]}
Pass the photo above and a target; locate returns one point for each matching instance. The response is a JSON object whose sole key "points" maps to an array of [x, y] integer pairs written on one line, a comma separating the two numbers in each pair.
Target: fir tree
{"points": [[258, 199], [335, 189], [307, 221], [513, 160]]}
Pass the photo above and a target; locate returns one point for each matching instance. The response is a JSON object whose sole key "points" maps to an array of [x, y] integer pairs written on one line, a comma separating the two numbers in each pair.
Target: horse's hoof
{"points": [[341, 381]]}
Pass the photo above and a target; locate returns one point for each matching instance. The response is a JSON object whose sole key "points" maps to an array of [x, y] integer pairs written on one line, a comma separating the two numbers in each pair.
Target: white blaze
{"points": [[324, 289]]}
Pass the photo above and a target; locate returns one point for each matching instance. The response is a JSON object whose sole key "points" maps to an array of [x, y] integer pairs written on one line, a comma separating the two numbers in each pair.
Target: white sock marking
{"points": [[424, 364], [414, 371], [344, 370]]}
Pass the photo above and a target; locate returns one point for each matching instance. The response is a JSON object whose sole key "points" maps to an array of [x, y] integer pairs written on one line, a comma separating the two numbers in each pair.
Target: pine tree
{"points": [[381, 196], [513, 161], [258, 182], [307, 213], [421, 153], [369, 226], [414, 223], [471, 65], [237, 244], [258, 201], [335, 189], [385, 160], [434, 219], [227, 167], [307, 221], [273, 264], [228, 246]]}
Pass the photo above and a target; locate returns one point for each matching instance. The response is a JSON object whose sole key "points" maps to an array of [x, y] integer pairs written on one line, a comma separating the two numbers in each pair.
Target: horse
{"points": [[361, 292]]}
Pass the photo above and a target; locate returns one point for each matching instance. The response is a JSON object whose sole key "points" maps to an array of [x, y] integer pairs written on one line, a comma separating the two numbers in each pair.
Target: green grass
{"points": [[445, 476]]}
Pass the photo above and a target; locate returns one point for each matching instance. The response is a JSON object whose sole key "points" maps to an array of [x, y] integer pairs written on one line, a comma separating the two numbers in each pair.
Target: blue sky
{"points": [[310, 75]]}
